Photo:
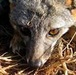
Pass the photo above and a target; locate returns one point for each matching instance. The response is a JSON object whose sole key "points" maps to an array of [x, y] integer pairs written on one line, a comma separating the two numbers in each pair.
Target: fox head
{"points": [[45, 21]]}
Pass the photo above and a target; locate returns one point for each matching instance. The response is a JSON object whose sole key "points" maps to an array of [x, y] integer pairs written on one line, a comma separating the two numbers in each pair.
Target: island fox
{"points": [[40, 24]]}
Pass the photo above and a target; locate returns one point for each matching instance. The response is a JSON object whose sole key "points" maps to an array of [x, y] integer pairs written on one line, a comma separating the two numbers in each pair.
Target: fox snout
{"points": [[39, 48], [41, 44]]}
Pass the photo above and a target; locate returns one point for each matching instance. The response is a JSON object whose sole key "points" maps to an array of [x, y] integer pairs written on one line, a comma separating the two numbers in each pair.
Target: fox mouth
{"points": [[41, 60]]}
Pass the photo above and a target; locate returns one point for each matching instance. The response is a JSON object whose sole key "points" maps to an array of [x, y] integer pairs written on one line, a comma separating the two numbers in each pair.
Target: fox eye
{"points": [[25, 31], [53, 32]]}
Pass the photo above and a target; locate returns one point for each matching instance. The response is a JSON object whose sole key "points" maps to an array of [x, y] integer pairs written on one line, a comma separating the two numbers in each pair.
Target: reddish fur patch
{"points": [[73, 11], [68, 2], [12, 6]]}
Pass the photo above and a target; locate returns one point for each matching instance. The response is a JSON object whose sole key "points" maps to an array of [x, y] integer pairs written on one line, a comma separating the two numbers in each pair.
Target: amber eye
{"points": [[53, 32]]}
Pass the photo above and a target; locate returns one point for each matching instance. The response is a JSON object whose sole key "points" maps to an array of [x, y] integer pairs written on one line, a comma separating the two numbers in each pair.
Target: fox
{"points": [[40, 24]]}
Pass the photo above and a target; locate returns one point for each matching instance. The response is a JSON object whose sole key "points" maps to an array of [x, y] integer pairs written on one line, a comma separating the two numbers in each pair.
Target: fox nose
{"points": [[35, 64]]}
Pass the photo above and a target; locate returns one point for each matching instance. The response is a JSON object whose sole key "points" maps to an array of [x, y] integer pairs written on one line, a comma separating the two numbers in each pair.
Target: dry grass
{"points": [[62, 61]]}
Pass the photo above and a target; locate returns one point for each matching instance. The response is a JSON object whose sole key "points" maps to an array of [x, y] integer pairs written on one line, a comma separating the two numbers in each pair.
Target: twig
{"points": [[36, 71], [70, 41], [5, 58]]}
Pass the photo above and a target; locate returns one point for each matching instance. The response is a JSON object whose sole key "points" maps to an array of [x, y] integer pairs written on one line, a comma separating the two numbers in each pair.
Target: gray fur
{"points": [[53, 14]]}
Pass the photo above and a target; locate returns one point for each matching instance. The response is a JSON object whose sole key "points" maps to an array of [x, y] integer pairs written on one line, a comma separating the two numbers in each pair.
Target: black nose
{"points": [[35, 63]]}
